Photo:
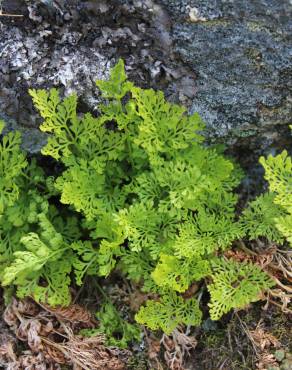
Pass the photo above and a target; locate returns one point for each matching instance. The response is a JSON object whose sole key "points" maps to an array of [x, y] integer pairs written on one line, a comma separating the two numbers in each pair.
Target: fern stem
{"points": [[245, 249], [278, 282], [99, 288]]}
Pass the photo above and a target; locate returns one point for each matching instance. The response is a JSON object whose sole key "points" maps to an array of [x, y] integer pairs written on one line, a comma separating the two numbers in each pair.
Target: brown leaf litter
{"points": [[277, 263], [177, 346], [264, 342], [52, 339]]}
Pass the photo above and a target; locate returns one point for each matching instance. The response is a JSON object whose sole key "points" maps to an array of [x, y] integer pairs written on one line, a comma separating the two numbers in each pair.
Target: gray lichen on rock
{"points": [[241, 53]]}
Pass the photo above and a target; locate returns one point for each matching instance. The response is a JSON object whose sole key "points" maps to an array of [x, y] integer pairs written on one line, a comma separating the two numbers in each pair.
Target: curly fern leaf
{"points": [[12, 164], [42, 260], [234, 286], [118, 332], [278, 172], [60, 119], [206, 234], [171, 311], [86, 261], [117, 85], [165, 127], [140, 225], [284, 225], [259, 218], [178, 274]]}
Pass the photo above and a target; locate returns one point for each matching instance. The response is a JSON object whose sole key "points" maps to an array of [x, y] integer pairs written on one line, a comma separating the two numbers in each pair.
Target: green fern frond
{"points": [[117, 85], [259, 218], [140, 225], [235, 285], [169, 312], [41, 259], [178, 274], [284, 225], [118, 332], [165, 127], [206, 234], [85, 261], [278, 172], [12, 164]]}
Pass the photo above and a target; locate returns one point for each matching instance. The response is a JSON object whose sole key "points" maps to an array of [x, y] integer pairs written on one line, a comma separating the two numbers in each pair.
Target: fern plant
{"points": [[278, 172], [273, 209], [37, 253], [146, 199], [118, 331]]}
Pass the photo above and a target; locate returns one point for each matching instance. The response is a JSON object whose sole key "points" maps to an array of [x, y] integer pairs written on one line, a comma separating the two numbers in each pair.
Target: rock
{"points": [[240, 52], [70, 44], [32, 138], [226, 59]]}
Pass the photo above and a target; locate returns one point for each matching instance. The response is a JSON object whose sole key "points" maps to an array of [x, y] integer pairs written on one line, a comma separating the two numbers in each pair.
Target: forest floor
{"points": [[35, 337]]}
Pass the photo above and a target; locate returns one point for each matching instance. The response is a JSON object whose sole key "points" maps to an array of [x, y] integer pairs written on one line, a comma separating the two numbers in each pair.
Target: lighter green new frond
{"points": [[26, 263], [284, 225], [108, 252], [59, 116], [171, 273], [165, 128], [178, 274], [117, 85], [41, 260], [81, 186], [206, 234]]}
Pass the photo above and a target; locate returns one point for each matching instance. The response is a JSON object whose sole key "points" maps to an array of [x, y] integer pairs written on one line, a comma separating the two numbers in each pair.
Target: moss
{"points": [[256, 26], [216, 22], [138, 362]]}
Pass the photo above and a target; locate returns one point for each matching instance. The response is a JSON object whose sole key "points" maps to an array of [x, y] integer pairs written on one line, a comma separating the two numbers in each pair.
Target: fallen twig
{"points": [[10, 15]]}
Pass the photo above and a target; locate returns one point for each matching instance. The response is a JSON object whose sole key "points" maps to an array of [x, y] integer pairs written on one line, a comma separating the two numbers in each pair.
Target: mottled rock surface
{"points": [[241, 53], [228, 60]]}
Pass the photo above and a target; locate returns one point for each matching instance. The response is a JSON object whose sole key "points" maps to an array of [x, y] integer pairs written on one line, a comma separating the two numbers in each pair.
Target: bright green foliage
{"points": [[270, 215], [259, 218], [143, 196], [234, 286], [206, 233], [36, 250], [87, 261], [20, 216], [284, 225], [117, 85], [118, 331], [174, 273], [171, 311], [42, 269], [278, 172], [12, 163]]}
